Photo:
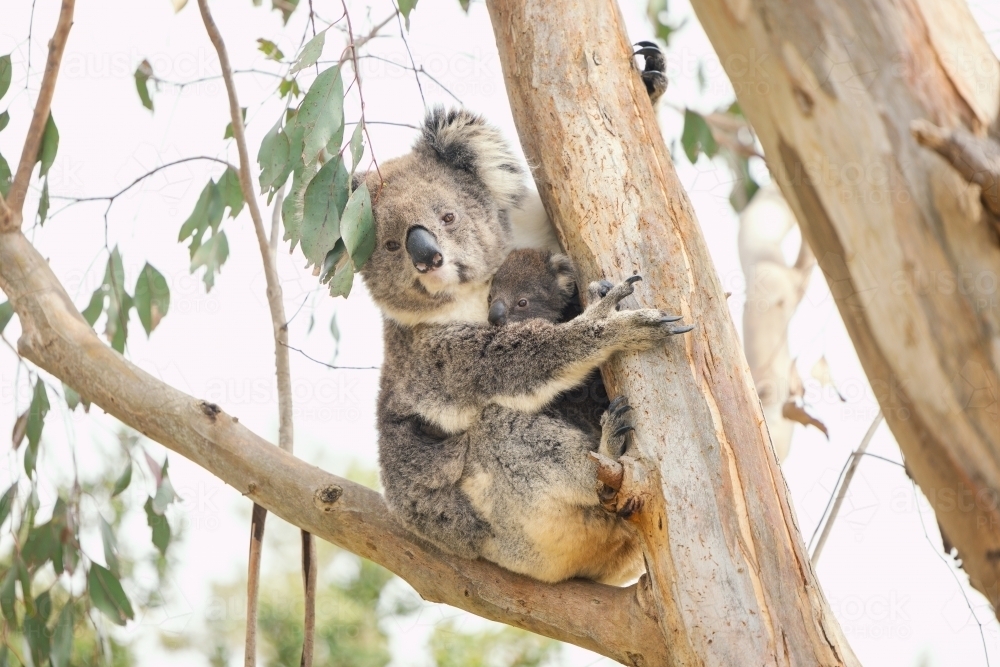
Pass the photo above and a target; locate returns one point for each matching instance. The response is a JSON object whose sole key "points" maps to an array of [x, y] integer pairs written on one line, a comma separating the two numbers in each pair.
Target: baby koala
{"points": [[538, 284]]}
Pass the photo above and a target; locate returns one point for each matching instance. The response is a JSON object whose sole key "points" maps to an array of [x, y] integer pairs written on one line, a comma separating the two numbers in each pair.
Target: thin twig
{"points": [[336, 368], [419, 70], [402, 36], [842, 493], [10, 213], [215, 77], [357, 42], [274, 300]]}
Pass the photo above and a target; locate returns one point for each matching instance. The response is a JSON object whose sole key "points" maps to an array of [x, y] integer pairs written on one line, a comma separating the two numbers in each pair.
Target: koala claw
{"points": [[671, 318], [616, 424], [652, 73], [681, 330], [629, 507], [631, 280]]}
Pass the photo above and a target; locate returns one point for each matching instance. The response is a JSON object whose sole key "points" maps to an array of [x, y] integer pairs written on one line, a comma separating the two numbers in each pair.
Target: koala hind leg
{"points": [[616, 425]]}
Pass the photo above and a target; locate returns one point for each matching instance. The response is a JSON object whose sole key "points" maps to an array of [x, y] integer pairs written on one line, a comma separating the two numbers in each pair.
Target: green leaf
{"points": [[321, 114], [697, 137], [119, 302], [212, 255], [160, 527], [38, 640], [152, 297], [142, 75], [228, 134], [96, 306], [358, 228], [207, 214], [293, 207], [7, 501], [50, 144], [36, 420], [338, 271], [43, 202], [324, 201], [123, 480], [25, 578], [164, 494], [43, 606], [334, 329], [405, 7], [286, 7], [6, 313], [310, 53], [107, 595], [4, 176], [270, 49], [62, 638], [289, 88], [464, 4], [110, 547], [231, 192], [6, 72], [7, 596], [357, 145], [4, 119], [39, 546]]}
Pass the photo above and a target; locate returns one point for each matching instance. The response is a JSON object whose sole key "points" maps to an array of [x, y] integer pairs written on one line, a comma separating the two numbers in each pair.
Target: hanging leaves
{"points": [[4, 177], [321, 114], [405, 7], [4, 119], [286, 7], [6, 313], [152, 297], [6, 73], [143, 73], [49, 146], [310, 53], [106, 594], [697, 137], [110, 543], [357, 145], [358, 227], [6, 502], [338, 271], [270, 50], [160, 527], [123, 480], [228, 134], [62, 638], [36, 420], [325, 199], [207, 215]]}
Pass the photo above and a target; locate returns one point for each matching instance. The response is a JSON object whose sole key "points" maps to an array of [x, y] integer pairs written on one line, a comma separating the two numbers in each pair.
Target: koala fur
{"points": [[469, 457], [540, 284]]}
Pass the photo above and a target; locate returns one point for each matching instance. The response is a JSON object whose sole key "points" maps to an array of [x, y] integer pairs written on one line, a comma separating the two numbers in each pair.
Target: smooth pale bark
{"points": [[730, 576], [832, 88]]}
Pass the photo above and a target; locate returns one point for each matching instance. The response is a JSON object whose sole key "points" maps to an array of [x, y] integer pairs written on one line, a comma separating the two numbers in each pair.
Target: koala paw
{"points": [[645, 328], [653, 72], [604, 297], [616, 424]]}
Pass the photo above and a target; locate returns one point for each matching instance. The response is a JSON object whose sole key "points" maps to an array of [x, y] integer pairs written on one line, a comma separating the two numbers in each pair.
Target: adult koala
{"points": [[469, 457]]}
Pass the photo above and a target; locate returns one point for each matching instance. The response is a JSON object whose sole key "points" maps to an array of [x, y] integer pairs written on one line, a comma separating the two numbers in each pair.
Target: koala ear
{"points": [[465, 141], [562, 268]]}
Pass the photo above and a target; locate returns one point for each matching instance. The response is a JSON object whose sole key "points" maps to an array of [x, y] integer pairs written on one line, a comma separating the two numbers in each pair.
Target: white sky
{"points": [[898, 602]]}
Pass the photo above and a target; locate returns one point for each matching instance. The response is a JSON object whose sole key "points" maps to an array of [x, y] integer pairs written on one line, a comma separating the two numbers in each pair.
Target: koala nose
{"points": [[423, 250], [498, 313]]}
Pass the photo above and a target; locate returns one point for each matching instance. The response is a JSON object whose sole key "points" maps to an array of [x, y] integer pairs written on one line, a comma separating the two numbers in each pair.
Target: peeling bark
{"points": [[831, 89], [728, 572]]}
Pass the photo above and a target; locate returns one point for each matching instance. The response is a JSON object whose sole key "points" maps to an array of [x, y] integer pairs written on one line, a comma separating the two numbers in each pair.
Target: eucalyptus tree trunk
{"points": [[840, 92], [729, 576]]}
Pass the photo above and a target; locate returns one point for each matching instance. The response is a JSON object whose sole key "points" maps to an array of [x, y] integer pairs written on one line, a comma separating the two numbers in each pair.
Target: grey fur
{"points": [[470, 458]]}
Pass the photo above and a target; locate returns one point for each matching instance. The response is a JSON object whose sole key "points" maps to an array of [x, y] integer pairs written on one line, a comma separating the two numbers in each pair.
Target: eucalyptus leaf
{"points": [[142, 75], [49, 146], [8, 595], [4, 177], [6, 313], [160, 527], [123, 480], [231, 192], [36, 420], [106, 594], [6, 502], [270, 49], [62, 638], [310, 53], [152, 297], [6, 73], [212, 255], [405, 7], [43, 202], [321, 114], [338, 271], [324, 201], [95, 307], [357, 145], [697, 137], [110, 547], [228, 134], [4, 120], [358, 228]]}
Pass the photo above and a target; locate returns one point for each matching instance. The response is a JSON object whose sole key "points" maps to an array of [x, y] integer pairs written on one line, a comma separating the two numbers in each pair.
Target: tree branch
{"points": [[977, 159], [619, 623], [286, 438], [11, 211]]}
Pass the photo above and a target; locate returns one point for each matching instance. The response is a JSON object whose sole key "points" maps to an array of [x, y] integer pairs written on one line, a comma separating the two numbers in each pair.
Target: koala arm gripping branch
{"points": [[524, 365]]}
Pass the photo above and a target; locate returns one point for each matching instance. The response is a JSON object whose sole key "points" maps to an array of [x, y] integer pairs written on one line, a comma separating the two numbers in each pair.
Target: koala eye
{"points": [[391, 246], [448, 218], [523, 303]]}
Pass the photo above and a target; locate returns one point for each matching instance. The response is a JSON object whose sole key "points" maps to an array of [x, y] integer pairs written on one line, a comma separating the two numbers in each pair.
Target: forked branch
{"points": [[977, 159]]}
